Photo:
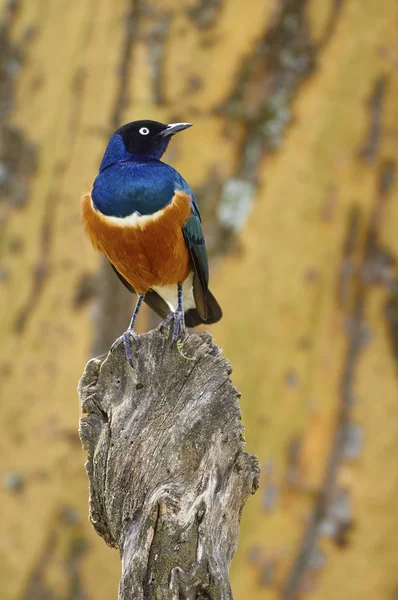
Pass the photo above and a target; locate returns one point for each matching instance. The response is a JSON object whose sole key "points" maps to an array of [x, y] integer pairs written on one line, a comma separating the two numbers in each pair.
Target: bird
{"points": [[143, 216]]}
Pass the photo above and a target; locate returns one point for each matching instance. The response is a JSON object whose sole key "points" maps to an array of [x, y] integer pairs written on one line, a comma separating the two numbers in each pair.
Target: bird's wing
{"points": [[193, 235]]}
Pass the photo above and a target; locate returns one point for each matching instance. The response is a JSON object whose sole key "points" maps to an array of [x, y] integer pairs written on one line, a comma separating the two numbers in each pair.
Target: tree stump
{"points": [[167, 471]]}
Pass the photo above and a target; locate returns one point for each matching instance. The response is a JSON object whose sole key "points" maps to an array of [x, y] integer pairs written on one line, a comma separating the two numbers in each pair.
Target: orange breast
{"points": [[150, 252]]}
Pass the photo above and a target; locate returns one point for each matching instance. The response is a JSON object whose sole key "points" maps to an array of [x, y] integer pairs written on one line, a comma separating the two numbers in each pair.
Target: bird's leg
{"points": [[130, 330], [135, 313], [179, 320], [167, 319]]}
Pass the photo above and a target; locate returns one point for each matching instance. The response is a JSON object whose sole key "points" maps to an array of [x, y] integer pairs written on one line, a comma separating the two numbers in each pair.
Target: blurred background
{"points": [[293, 160]]}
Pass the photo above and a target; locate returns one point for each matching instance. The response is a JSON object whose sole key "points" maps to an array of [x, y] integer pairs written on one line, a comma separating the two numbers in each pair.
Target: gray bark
{"points": [[167, 471]]}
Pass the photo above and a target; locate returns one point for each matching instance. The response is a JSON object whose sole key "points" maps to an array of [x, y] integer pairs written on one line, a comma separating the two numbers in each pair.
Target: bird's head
{"points": [[140, 139]]}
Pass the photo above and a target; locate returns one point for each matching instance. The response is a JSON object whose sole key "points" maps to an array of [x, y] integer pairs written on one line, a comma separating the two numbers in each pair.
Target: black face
{"points": [[149, 138]]}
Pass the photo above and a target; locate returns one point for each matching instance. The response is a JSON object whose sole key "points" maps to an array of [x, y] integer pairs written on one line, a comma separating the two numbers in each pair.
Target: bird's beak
{"points": [[174, 128]]}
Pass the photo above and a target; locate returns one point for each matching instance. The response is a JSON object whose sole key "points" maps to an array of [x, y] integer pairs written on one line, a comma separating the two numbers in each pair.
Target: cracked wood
{"points": [[167, 470]]}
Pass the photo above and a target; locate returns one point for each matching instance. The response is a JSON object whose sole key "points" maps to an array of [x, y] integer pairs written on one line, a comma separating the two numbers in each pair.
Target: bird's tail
{"points": [[214, 312]]}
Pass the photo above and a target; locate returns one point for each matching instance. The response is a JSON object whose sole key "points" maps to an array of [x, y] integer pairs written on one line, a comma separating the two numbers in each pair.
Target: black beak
{"points": [[174, 128]]}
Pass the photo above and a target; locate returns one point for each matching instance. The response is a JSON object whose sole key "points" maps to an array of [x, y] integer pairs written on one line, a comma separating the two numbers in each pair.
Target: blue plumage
{"points": [[129, 183]]}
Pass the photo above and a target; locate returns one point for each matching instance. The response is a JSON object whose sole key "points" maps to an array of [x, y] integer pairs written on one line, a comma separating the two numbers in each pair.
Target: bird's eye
{"points": [[144, 131]]}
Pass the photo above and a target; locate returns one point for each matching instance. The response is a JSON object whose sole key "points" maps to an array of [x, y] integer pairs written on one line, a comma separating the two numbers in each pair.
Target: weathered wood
{"points": [[167, 470]]}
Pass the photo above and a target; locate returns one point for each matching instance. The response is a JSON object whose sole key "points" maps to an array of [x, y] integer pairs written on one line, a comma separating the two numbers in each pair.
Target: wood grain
{"points": [[167, 470]]}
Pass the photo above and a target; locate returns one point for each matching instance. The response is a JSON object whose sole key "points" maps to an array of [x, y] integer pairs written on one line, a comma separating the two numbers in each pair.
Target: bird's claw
{"points": [[167, 319], [126, 341], [179, 332], [116, 343], [127, 347]]}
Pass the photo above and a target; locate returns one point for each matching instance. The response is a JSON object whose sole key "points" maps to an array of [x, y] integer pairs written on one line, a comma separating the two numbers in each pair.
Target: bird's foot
{"points": [[116, 343], [167, 319], [127, 347], [126, 341], [179, 332]]}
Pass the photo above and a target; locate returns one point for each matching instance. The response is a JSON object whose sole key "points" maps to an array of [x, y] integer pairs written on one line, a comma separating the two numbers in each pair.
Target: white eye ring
{"points": [[144, 131]]}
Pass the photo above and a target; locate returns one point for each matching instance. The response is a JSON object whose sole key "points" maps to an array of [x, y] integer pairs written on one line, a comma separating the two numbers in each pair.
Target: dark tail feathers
{"points": [[214, 313]]}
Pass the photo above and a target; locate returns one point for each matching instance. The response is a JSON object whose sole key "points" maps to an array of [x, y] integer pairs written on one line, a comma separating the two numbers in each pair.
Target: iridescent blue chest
{"points": [[127, 184]]}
